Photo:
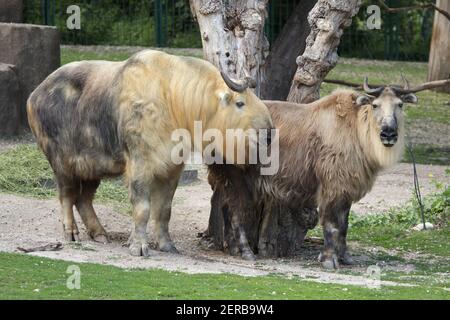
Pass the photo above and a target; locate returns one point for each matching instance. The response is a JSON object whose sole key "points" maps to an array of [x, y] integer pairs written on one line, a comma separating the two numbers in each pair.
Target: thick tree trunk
{"points": [[327, 20], [233, 36], [240, 221], [281, 66], [439, 61]]}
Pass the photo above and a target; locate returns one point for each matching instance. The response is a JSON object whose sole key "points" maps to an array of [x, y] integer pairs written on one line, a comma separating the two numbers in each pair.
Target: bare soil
{"points": [[26, 222]]}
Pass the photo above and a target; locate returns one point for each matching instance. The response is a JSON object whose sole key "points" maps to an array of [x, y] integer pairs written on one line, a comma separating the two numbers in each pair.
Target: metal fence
{"points": [[169, 23], [403, 36], [161, 23]]}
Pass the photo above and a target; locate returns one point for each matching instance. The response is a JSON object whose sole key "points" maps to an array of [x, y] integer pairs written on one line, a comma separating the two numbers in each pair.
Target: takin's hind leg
{"points": [[68, 190], [162, 192], [140, 199], [86, 210]]}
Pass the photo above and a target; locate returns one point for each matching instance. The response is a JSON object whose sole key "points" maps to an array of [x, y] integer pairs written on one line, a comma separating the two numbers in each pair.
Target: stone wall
{"points": [[9, 100], [35, 52]]}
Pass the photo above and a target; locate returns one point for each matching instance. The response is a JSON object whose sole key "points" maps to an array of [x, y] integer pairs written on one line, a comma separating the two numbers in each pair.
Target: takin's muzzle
{"points": [[389, 133]]}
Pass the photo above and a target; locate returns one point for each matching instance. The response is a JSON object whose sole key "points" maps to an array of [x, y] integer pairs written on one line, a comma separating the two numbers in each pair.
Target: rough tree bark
{"points": [[327, 20], [233, 36], [291, 42], [270, 230], [439, 61]]}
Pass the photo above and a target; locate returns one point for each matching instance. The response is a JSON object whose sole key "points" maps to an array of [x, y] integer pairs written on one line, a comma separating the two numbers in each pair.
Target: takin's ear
{"points": [[409, 98], [363, 100], [224, 96]]}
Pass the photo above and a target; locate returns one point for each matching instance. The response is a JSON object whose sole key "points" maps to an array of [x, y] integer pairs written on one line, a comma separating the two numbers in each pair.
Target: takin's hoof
{"points": [[71, 236], [138, 249], [99, 235], [346, 259], [168, 247], [266, 249], [101, 238], [329, 262], [248, 255]]}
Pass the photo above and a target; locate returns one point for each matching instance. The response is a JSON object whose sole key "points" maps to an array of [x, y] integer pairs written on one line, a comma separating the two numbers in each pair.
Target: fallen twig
{"points": [[314, 240], [48, 247]]}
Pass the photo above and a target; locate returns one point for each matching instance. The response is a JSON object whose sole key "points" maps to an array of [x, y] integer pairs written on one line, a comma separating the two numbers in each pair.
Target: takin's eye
{"points": [[400, 104], [375, 105], [240, 104]]}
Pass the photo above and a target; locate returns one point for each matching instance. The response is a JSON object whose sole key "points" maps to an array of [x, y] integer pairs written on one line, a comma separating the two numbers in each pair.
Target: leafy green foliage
{"points": [[117, 22], [404, 35], [436, 211]]}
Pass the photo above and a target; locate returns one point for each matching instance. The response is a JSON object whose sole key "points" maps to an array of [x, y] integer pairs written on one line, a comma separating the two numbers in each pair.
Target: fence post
{"points": [[160, 35], [48, 12], [268, 28]]}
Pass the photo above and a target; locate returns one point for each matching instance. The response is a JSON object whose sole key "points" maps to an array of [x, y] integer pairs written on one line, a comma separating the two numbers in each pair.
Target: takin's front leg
{"points": [[239, 213], [334, 221], [343, 255]]}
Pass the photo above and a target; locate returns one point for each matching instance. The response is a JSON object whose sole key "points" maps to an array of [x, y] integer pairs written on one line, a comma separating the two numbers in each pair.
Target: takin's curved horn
{"points": [[368, 90], [404, 90], [406, 87], [235, 85]]}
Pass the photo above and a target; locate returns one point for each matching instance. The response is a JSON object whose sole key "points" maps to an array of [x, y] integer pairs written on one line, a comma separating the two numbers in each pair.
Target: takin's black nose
{"points": [[388, 136]]}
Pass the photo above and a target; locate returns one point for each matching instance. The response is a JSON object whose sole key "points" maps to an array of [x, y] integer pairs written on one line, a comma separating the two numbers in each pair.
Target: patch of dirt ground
{"points": [[26, 222]]}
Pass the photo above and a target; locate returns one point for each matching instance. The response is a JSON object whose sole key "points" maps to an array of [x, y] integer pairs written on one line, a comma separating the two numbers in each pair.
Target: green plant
{"points": [[436, 211]]}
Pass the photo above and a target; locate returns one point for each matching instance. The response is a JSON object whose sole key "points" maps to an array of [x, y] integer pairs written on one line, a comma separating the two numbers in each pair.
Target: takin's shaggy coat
{"points": [[97, 119], [330, 152]]}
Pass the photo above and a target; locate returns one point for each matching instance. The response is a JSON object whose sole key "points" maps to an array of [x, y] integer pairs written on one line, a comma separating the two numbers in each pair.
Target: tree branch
{"points": [[421, 87], [418, 6]]}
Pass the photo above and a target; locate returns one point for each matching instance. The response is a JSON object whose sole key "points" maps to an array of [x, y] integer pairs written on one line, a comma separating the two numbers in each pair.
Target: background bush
{"points": [[120, 22], [403, 36]]}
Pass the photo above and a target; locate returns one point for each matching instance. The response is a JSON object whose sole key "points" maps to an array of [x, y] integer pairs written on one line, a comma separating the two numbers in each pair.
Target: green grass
{"points": [[28, 277], [429, 242], [71, 55], [77, 53], [24, 170], [429, 154]]}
